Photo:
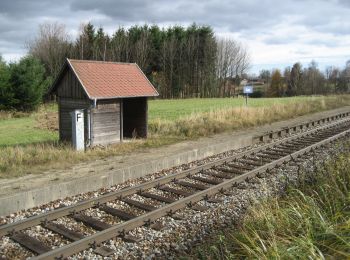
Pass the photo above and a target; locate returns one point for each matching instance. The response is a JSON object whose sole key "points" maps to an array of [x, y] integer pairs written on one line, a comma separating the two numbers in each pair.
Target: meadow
{"points": [[176, 108], [29, 142]]}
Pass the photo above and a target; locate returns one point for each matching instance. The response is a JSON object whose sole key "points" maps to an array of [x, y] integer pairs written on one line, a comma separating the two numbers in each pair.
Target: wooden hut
{"points": [[112, 95]]}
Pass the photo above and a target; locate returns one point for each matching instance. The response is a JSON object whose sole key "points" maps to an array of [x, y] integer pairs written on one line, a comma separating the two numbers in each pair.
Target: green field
{"points": [[25, 130], [22, 131], [176, 108]]}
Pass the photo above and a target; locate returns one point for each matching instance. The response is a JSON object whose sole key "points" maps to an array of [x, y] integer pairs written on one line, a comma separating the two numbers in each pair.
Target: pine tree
{"points": [[28, 83], [6, 95]]}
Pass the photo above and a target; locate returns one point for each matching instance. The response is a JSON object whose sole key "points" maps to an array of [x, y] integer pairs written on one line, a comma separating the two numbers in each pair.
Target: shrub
{"points": [[5, 92], [27, 84]]}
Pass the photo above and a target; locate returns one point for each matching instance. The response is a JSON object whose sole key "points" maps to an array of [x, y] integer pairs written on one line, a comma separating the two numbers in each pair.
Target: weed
{"points": [[30, 143], [310, 222]]}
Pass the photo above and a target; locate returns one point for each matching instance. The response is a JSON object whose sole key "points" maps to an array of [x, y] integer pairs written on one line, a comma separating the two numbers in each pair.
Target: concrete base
{"points": [[34, 190]]}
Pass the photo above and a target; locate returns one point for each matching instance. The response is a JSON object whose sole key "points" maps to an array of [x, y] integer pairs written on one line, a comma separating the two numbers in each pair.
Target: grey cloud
{"points": [[279, 40], [19, 19], [24, 8], [236, 15], [123, 10], [345, 3]]}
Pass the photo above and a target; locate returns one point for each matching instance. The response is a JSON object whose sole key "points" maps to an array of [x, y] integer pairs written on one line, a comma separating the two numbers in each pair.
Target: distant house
{"points": [[252, 81], [112, 95]]}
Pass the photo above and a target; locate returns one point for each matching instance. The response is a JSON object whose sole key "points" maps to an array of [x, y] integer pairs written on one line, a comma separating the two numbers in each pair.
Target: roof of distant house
{"points": [[105, 80]]}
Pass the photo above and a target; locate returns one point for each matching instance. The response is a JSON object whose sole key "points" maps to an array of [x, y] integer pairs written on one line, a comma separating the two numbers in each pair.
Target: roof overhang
{"points": [[68, 64]]}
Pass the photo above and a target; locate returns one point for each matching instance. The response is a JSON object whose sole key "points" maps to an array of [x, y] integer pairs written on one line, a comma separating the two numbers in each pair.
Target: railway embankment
{"points": [[34, 190], [166, 214]]}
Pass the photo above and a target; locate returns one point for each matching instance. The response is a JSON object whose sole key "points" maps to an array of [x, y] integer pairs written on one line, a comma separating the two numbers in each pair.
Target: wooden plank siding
{"points": [[67, 105], [70, 87], [105, 121]]}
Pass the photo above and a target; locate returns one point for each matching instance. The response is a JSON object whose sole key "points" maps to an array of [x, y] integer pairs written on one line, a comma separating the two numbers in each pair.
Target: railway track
{"points": [[174, 192]]}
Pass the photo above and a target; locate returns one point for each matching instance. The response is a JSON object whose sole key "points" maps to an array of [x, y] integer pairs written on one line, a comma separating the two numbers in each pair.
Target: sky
{"points": [[277, 33]]}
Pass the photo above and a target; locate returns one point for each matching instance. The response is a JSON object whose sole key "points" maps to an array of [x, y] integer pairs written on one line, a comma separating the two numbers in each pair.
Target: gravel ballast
{"points": [[177, 236]]}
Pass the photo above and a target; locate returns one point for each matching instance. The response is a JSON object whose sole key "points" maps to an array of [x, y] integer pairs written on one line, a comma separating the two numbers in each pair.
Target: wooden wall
{"points": [[69, 87], [65, 106], [105, 120], [71, 96], [135, 117]]}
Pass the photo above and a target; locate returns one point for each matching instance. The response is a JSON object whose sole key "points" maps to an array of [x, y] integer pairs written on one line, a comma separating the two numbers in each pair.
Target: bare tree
{"points": [[142, 49], [232, 62], [51, 46]]}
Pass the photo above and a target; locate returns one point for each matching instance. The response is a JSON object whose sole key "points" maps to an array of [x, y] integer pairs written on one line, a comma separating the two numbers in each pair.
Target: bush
{"points": [[5, 93], [27, 84], [22, 84], [256, 94]]}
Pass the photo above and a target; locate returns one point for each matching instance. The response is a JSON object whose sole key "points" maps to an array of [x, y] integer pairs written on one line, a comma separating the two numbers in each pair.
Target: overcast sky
{"points": [[277, 33]]}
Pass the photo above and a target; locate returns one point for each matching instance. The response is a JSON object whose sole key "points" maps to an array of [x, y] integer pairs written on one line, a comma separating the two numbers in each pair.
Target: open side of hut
{"points": [[112, 95]]}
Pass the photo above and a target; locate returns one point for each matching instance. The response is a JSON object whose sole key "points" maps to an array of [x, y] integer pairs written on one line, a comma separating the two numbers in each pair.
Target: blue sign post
{"points": [[247, 90]]}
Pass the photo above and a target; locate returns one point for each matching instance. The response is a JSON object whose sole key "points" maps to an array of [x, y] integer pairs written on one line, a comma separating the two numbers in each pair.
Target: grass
{"points": [[28, 144], [164, 109], [23, 131], [311, 221], [219, 115]]}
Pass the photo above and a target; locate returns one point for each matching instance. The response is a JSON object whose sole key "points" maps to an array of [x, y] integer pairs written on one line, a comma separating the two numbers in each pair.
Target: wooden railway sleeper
{"points": [[92, 222], [298, 142], [31, 243], [251, 162], [269, 156], [206, 180], [228, 170], [295, 147], [123, 215], [301, 145], [287, 149], [179, 192], [221, 175], [196, 186], [243, 166], [138, 204], [282, 151], [156, 197], [261, 160], [274, 153], [63, 231]]}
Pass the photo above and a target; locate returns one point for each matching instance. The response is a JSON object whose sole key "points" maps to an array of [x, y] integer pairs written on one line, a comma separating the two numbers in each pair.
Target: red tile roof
{"points": [[112, 80]]}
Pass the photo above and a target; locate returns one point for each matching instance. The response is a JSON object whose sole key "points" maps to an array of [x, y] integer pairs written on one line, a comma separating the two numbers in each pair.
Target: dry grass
{"points": [[217, 121], [310, 222], [12, 114], [35, 158]]}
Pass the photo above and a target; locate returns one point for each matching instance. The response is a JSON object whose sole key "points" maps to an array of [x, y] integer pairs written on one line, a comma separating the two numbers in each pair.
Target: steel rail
{"points": [[102, 236], [90, 203]]}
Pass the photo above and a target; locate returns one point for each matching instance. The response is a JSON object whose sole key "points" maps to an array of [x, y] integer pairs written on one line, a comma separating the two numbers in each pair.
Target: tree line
{"points": [[180, 61], [310, 80]]}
